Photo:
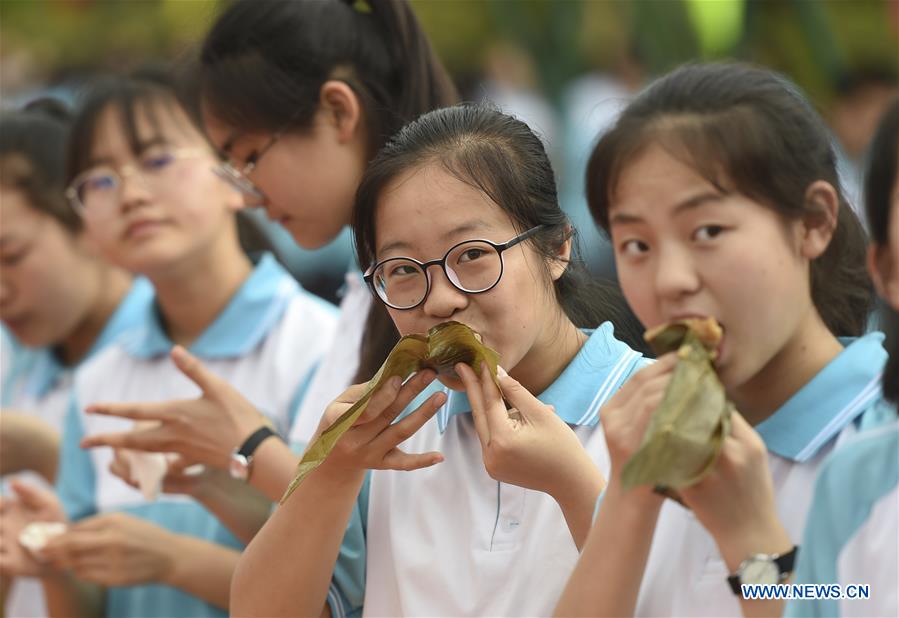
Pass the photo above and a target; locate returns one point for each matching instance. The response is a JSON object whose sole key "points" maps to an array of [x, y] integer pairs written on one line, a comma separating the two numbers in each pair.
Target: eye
{"points": [[100, 182], [470, 255], [401, 270], [633, 247], [157, 162], [13, 258], [707, 232]]}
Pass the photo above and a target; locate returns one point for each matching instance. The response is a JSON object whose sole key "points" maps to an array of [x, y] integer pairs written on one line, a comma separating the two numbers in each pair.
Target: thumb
{"points": [[32, 496], [190, 366], [519, 397]]}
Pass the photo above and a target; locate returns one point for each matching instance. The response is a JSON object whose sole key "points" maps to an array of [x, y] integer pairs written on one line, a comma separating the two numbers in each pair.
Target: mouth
{"points": [[142, 228], [701, 316]]}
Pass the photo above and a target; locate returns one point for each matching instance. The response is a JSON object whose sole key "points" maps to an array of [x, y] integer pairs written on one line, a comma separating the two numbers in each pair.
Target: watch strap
{"points": [[254, 440], [785, 564]]}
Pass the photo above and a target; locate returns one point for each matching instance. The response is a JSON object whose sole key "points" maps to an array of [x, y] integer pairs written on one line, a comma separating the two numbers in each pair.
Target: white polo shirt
{"points": [[685, 575], [341, 362], [852, 534], [35, 382], [449, 540], [267, 343]]}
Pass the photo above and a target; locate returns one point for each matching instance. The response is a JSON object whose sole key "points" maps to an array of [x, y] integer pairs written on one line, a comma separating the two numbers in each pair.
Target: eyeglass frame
{"points": [[500, 248], [237, 178], [71, 192]]}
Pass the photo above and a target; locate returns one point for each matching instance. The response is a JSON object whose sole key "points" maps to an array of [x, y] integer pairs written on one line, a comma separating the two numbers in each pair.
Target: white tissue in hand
{"points": [[147, 471], [35, 536]]}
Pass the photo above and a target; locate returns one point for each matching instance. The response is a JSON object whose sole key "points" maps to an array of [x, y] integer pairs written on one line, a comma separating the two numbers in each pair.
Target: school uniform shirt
{"points": [[340, 364], [266, 343], [852, 533], [685, 574], [451, 541], [35, 382]]}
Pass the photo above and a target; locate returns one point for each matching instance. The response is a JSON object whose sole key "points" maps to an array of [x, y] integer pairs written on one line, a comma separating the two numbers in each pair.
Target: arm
{"points": [[266, 579], [281, 555], [27, 443], [607, 578], [202, 569], [66, 596]]}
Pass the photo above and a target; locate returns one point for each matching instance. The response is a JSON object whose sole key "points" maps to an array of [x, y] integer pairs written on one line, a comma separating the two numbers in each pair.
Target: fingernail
{"points": [[501, 372]]}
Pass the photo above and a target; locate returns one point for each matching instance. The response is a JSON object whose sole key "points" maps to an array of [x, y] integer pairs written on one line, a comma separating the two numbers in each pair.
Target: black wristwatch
{"points": [[763, 569], [242, 458]]}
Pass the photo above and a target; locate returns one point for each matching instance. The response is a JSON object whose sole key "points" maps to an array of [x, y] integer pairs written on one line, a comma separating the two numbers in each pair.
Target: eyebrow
{"points": [[701, 199], [464, 228]]}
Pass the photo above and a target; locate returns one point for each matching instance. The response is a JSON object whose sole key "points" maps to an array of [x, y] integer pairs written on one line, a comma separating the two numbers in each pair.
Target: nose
{"points": [[676, 274], [444, 299], [133, 191]]}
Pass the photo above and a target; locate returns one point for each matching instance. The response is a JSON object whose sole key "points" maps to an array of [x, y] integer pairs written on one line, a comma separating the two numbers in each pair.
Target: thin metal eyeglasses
{"points": [[471, 266], [100, 187], [238, 177]]}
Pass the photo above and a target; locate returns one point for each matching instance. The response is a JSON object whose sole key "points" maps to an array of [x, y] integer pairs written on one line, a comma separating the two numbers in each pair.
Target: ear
{"points": [[884, 273], [563, 256], [340, 108], [819, 225]]}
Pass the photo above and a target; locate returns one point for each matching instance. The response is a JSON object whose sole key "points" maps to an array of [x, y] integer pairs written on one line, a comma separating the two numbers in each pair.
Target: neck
{"points": [[810, 349], [192, 294], [112, 284], [551, 354]]}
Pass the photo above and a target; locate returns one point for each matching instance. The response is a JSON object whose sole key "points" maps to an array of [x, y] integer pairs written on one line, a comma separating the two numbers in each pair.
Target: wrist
{"points": [[173, 554], [581, 487], [639, 502], [768, 537]]}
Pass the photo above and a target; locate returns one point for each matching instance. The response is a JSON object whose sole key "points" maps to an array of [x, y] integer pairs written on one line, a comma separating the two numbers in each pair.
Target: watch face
{"points": [[760, 570], [238, 467]]}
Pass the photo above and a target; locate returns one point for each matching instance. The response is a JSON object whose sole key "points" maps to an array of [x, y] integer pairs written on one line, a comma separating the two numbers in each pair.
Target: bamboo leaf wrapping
{"points": [[687, 430], [445, 345]]}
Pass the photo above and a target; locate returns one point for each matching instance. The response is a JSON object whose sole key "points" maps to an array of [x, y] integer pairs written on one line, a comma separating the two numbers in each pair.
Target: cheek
{"points": [[637, 287]]}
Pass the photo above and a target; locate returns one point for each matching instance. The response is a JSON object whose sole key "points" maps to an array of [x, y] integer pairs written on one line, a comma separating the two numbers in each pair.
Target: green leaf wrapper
{"points": [[687, 430], [445, 345]]}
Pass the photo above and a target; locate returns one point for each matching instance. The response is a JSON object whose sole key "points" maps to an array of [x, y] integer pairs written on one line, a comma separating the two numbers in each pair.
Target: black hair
{"points": [[149, 92], [880, 184], [500, 156], [32, 157], [264, 62], [262, 66], [753, 130]]}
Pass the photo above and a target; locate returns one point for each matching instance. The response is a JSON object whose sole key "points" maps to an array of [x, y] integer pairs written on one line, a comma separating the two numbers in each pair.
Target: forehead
{"points": [[17, 214], [655, 178], [433, 194], [121, 131]]}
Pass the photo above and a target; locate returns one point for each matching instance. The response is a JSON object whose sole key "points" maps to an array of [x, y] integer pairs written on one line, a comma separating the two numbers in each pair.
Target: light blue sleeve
{"points": [[850, 483], [76, 480], [347, 589]]}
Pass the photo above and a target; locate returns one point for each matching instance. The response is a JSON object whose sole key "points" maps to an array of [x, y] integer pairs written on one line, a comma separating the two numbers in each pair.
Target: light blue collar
{"points": [[252, 312], [43, 366], [597, 371], [843, 390]]}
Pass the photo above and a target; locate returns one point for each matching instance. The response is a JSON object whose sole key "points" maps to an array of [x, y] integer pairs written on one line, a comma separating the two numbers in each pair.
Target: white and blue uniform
{"points": [[266, 343], [451, 541], [685, 575], [35, 382], [852, 533], [339, 367]]}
